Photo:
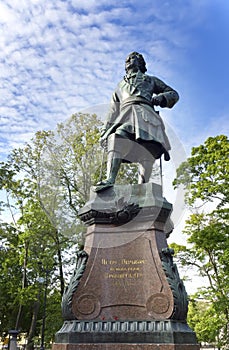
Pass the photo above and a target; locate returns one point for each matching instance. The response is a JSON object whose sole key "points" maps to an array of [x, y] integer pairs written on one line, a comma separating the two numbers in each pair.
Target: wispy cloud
{"points": [[57, 58]]}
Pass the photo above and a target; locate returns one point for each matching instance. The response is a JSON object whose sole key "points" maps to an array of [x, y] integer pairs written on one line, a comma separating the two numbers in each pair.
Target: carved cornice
{"points": [[167, 331]]}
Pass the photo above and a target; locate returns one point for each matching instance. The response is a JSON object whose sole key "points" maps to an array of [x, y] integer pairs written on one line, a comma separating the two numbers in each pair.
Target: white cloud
{"points": [[57, 58], [61, 57]]}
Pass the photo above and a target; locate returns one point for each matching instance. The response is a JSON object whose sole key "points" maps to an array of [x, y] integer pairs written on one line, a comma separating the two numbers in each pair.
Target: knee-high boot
{"points": [[113, 165]]}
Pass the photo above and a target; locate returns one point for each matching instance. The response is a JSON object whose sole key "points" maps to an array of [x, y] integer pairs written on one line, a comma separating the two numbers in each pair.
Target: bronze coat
{"points": [[132, 114]]}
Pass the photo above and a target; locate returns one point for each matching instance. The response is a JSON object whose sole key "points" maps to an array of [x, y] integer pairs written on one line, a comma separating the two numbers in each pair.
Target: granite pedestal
{"points": [[126, 292]]}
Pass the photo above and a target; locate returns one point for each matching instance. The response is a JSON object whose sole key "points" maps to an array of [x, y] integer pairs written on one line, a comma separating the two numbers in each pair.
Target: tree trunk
{"points": [[23, 284], [32, 330], [60, 263]]}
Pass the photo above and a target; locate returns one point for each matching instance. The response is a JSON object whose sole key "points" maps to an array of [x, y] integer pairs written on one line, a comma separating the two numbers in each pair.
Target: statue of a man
{"points": [[134, 132]]}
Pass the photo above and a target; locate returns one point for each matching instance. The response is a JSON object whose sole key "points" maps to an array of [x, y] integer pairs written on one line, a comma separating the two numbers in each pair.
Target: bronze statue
{"points": [[134, 132]]}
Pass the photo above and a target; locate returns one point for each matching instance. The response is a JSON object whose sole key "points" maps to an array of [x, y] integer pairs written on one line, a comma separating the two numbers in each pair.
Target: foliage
{"points": [[205, 178], [69, 167], [45, 182], [10, 279], [54, 319], [205, 174], [128, 173], [206, 322]]}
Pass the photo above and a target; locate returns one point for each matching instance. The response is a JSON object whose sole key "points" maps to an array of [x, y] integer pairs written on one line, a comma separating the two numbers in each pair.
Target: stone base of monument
{"points": [[126, 292], [125, 346], [125, 335]]}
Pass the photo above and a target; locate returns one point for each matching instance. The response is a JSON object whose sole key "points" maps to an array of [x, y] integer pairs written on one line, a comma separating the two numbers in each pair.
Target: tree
{"points": [[206, 322], [36, 204], [205, 174], [10, 278], [69, 167], [205, 177], [19, 270]]}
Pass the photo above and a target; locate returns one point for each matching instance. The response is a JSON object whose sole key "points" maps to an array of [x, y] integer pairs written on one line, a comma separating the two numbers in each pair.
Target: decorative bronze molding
{"points": [[66, 304], [120, 214], [176, 285]]}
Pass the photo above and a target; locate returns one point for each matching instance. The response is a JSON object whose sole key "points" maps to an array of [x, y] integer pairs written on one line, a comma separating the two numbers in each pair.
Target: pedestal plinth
{"points": [[126, 292]]}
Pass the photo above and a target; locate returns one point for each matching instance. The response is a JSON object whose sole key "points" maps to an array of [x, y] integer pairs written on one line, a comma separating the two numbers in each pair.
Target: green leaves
{"points": [[45, 182], [206, 322], [205, 176]]}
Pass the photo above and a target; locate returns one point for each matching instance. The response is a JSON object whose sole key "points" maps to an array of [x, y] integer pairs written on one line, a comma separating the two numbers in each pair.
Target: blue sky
{"points": [[58, 58], [61, 57]]}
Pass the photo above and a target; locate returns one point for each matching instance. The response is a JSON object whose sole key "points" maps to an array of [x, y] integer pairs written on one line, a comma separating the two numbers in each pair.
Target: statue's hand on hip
{"points": [[159, 100]]}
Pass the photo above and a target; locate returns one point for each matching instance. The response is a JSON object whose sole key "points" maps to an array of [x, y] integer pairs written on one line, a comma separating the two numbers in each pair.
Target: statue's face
{"points": [[132, 62]]}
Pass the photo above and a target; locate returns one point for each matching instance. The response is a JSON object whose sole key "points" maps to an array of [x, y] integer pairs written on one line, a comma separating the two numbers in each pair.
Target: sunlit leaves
{"points": [[205, 176]]}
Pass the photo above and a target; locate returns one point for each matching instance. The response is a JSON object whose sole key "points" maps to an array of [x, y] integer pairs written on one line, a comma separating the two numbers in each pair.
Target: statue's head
{"points": [[135, 60]]}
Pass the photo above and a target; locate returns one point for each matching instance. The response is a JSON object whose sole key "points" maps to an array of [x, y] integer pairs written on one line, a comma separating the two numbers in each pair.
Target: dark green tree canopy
{"points": [[205, 177]]}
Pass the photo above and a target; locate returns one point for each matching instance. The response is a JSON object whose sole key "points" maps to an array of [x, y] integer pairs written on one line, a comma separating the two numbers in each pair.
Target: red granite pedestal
{"points": [[126, 292]]}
